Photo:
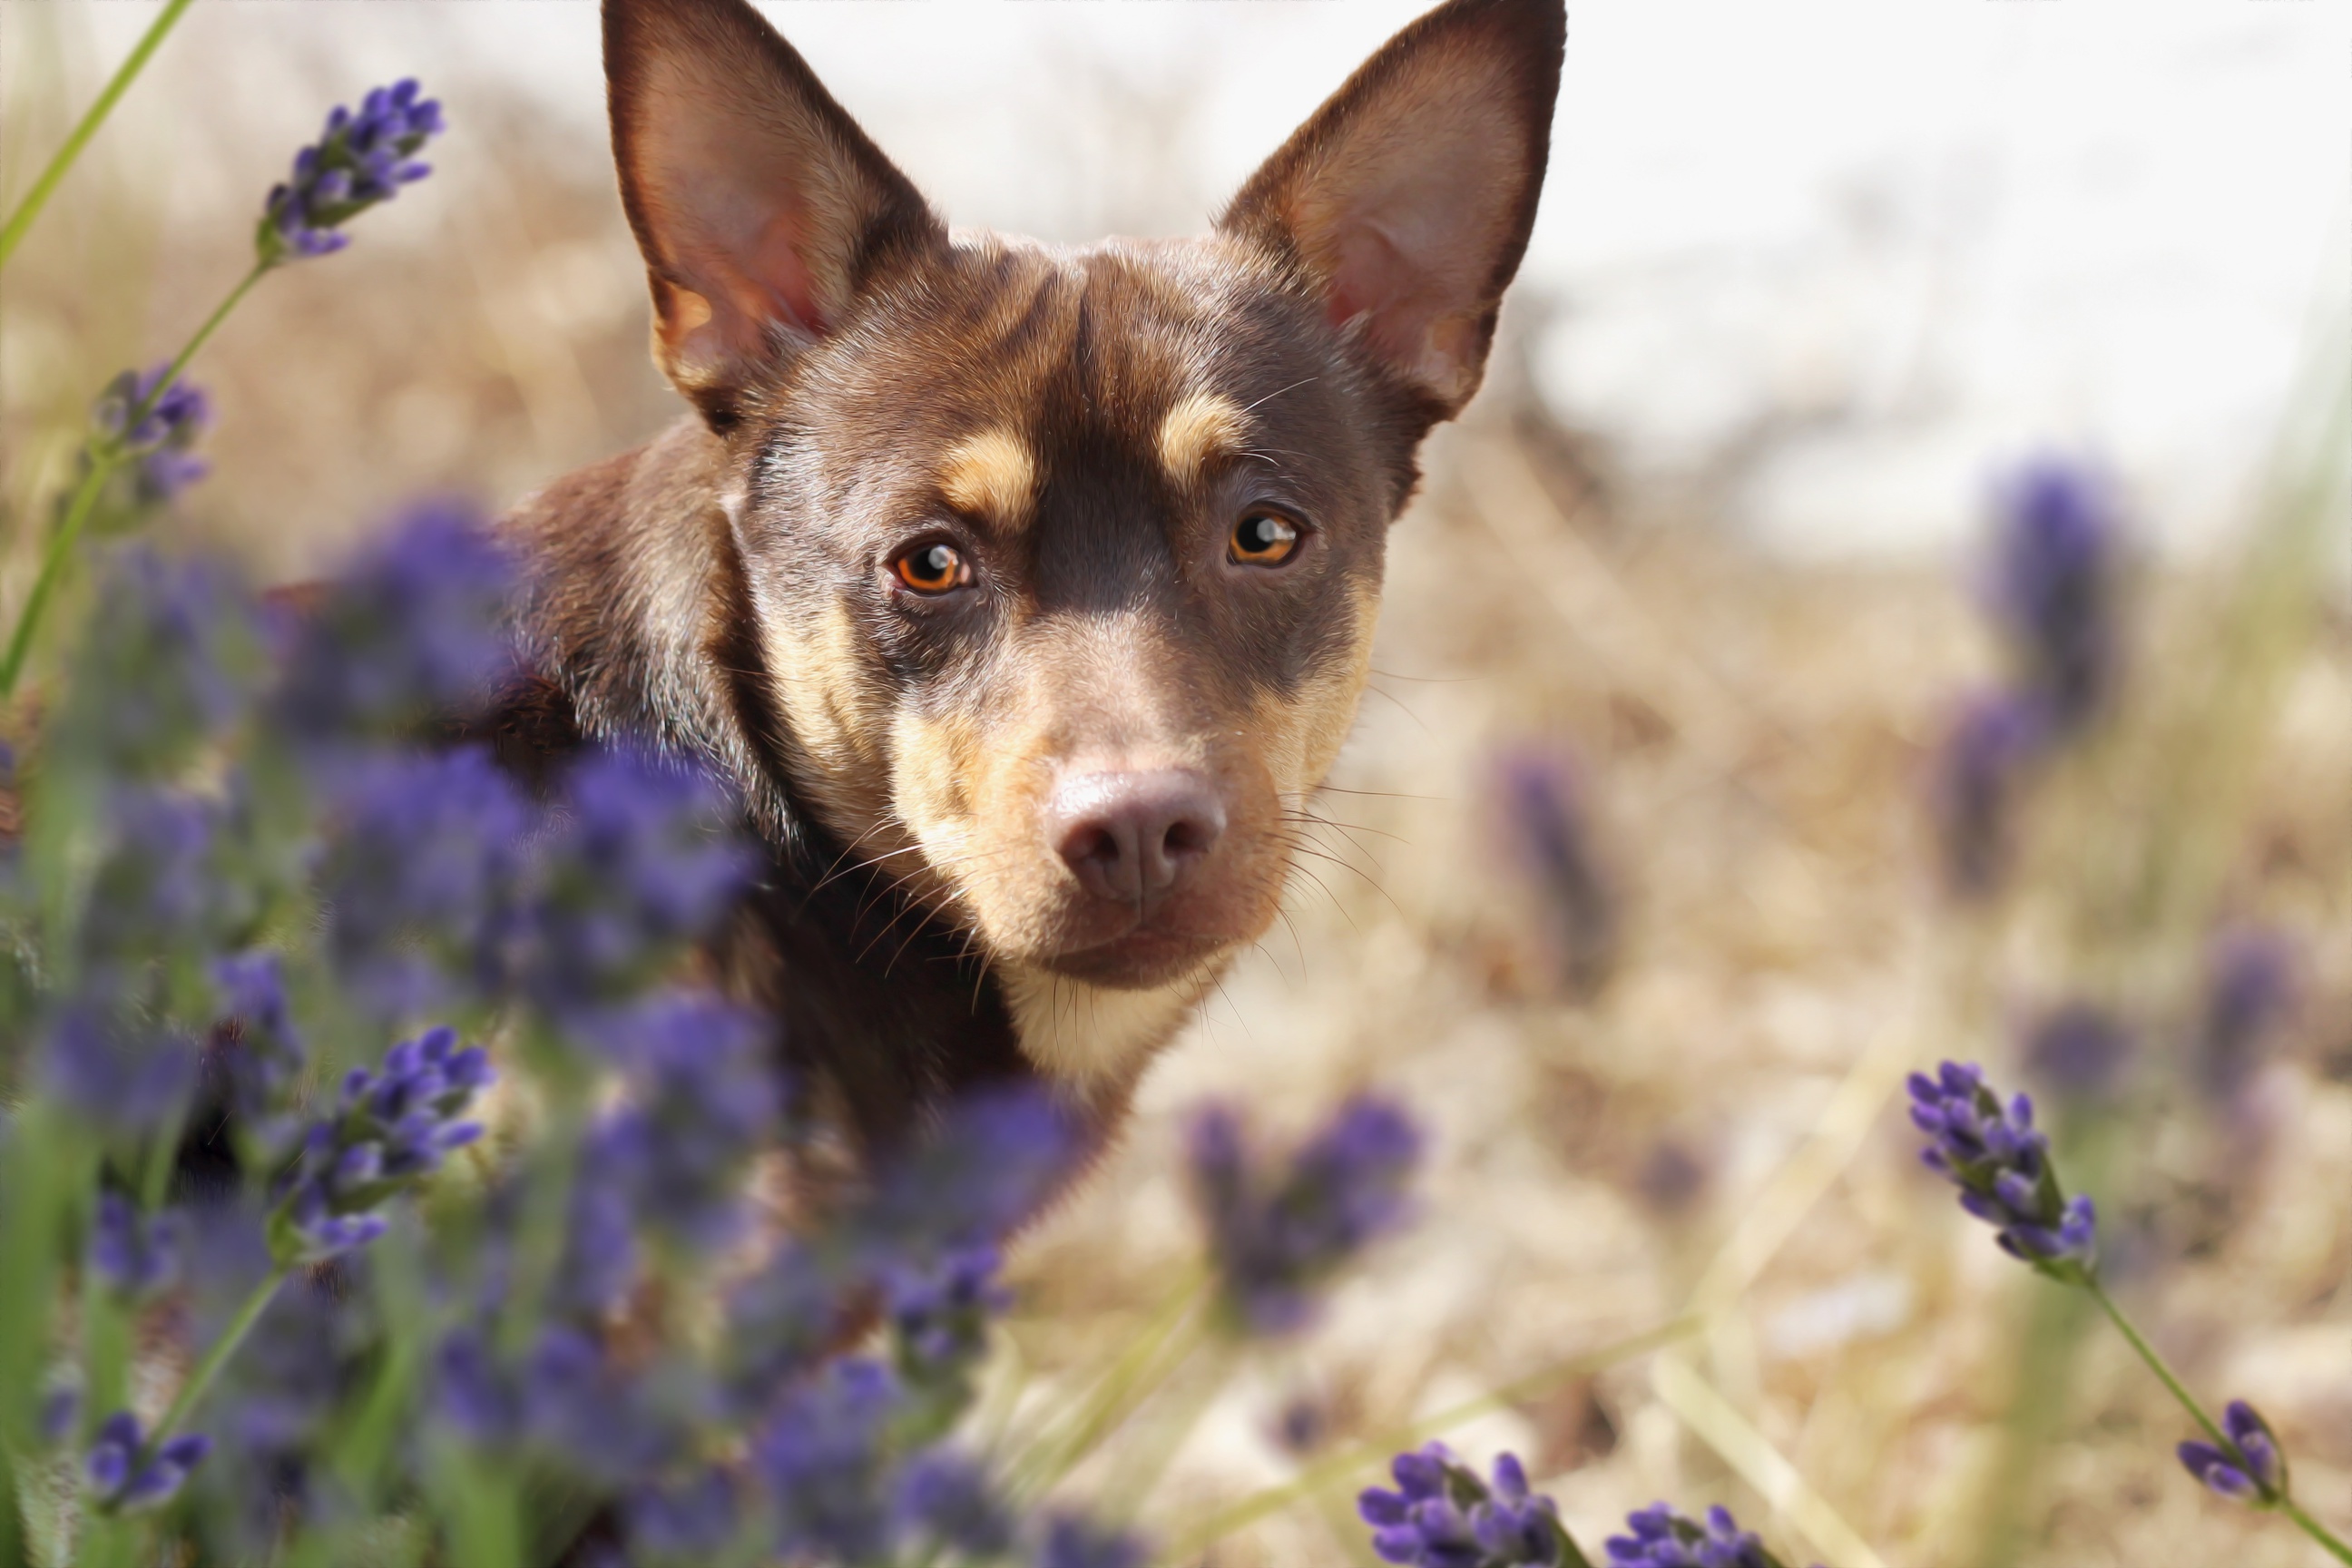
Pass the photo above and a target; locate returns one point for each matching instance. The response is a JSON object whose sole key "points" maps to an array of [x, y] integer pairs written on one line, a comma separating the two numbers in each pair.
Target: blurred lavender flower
{"points": [[414, 630], [264, 1053], [693, 1520], [823, 1462], [2054, 586], [945, 1500], [358, 161], [125, 1075], [642, 860], [1074, 1543], [780, 1322], [1550, 839], [564, 1398], [1974, 789], [2001, 1166], [391, 1130], [169, 670], [121, 1482], [938, 1316], [1663, 1538], [157, 444], [1443, 1514], [2249, 991], [1277, 1235], [159, 886], [703, 1100], [2080, 1048], [2250, 1468], [138, 1259], [990, 1167], [429, 843]]}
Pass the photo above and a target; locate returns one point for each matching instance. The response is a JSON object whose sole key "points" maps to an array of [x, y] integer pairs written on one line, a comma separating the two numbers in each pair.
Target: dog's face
{"points": [[1066, 561]]}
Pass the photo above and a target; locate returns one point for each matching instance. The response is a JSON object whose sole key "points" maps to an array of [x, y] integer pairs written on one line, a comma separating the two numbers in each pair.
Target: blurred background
{"points": [[1631, 884]]}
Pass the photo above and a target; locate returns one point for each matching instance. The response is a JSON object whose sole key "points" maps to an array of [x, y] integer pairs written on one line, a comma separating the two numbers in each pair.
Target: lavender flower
{"points": [[168, 670], [1074, 1543], [694, 1519], [2001, 1166], [392, 1130], [987, 1169], [1276, 1237], [1978, 774], [124, 1074], [124, 1479], [643, 860], [1550, 839], [159, 442], [414, 630], [1663, 1538], [780, 1322], [938, 1316], [2249, 991], [264, 1053], [1443, 1514], [945, 1499], [823, 1462], [358, 161], [2079, 1048], [138, 1259], [703, 1102], [2250, 1468], [564, 1398], [2053, 587], [430, 844]]}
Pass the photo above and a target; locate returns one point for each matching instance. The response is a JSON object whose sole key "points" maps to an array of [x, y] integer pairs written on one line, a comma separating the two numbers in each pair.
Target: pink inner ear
{"points": [[1372, 280], [785, 287]]}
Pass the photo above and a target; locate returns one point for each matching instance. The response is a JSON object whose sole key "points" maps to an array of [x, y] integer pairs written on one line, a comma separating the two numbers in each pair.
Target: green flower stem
{"points": [[2313, 1529], [1146, 1364], [2156, 1363], [199, 1381], [105, 457], [38, 198]]}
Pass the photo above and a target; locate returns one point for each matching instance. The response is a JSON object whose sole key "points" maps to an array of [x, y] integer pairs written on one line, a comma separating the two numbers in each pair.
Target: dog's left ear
{"points": [[762, 210], [1408, 197]]}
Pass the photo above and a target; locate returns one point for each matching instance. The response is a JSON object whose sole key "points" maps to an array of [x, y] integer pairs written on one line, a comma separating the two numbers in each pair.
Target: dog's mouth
{"points": [[1141, 958]]}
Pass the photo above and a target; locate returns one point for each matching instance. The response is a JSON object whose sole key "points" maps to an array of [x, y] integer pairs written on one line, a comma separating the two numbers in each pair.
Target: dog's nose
{"points": [[1131, 836]]}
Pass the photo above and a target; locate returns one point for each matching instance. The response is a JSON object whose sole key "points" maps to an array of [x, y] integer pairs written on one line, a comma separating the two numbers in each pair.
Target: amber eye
{"points": [[932, 568], [1264, 539]]}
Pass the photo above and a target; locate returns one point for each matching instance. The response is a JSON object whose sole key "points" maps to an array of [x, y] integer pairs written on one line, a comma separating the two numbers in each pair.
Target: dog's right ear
{"points": [[761, 208]]}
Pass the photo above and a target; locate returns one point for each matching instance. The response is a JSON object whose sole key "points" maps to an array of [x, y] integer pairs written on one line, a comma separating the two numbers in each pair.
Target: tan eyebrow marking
{"points": [[991, 476], [1202, 425]]}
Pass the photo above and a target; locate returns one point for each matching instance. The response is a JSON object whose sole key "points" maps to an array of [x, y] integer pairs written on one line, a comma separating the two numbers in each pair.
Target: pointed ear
{"points": [[761, 208], [1409, 196]]}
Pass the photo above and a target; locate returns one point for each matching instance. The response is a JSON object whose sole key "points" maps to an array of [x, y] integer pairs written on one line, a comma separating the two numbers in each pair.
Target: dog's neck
{"points": [[636, 629]]}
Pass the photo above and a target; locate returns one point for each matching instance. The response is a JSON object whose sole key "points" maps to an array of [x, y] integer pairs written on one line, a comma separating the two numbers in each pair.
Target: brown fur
{"points": [[1085, 428]]}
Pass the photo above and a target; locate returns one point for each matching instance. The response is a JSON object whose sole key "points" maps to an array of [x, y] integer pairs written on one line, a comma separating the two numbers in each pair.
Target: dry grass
{"points": [[1714, 1127]]}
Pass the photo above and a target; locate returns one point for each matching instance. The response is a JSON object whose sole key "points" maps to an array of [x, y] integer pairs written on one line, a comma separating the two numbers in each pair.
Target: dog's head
{"points": [[1066, 561]]}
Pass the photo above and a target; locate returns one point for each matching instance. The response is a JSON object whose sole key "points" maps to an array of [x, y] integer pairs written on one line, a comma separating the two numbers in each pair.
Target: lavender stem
{"points": [[43, 188]]}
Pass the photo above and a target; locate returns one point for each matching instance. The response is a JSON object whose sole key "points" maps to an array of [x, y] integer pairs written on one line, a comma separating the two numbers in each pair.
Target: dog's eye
{"points": [[932, 568], [1264, 539]]}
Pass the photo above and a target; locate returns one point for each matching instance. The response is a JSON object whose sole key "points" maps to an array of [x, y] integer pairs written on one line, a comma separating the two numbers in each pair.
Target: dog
{"points": [[1024, 594]]}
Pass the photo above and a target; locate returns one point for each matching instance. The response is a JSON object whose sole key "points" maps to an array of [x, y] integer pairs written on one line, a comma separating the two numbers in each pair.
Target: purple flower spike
{"points": [[158, 441], [2001, 1166], [138, 1258], [358, 161], [2054, 586], [1663, 1538], [2249, 1468], [1444, 1514], [120, 1481], [1549, 839], [391, 1130], [2249, 992], [1974, 789], [1278, 1235], [1074, 1543]]}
